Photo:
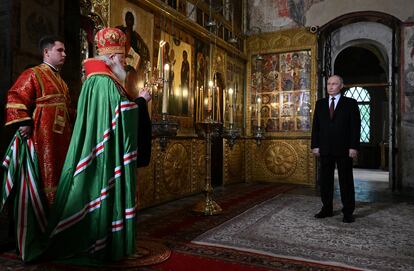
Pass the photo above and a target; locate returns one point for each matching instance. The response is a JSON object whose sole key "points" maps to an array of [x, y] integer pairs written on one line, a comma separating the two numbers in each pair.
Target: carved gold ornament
{"points": [[281, 159], [176, 167]]}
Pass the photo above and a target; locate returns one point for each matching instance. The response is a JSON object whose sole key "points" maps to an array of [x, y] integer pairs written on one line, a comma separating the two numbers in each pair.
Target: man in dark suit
{"points": [[335, 140]]}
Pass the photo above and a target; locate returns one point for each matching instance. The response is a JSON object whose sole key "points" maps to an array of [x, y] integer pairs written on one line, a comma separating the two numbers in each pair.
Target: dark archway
{"points": [[362, 69], [327, 45]]}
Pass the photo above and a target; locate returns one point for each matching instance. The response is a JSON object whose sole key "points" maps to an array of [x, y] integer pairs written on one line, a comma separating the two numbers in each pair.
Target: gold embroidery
{"points": [[60, 119], [18, 120], [39, 79], [52, 104], [48, 97], [61, 112], [16, 106], [55, 79]]}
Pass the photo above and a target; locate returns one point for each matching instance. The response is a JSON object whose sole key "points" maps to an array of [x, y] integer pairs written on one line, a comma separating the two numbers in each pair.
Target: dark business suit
{"points": [[334, 137]]}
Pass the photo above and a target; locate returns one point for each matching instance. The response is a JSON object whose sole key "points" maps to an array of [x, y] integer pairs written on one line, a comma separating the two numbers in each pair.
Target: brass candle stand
{"points": [[209, 129], [163, 130], [258, 134], [231, 133]]}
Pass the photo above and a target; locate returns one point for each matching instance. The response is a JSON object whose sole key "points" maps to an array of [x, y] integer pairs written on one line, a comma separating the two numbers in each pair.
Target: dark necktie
{"points": [[332, 107]]}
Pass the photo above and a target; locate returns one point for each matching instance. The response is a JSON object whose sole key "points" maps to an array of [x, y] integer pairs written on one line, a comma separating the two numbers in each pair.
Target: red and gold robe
{"points": [[41, 96]]}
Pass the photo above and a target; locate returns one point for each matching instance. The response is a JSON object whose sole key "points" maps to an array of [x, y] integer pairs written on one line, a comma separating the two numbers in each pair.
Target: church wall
{"points": [[407, 156], [35, 19], [324, 11], [273, 15], [407, 106], [30, 20], [5, 47], [5, 64]]}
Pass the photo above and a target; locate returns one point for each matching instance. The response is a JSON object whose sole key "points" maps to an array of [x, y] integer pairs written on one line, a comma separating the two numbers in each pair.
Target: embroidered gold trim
{"points": [[39, 79], [55, 79], [18, 120], [16, 106], [60, 119], [49, 97], [52, 104]]}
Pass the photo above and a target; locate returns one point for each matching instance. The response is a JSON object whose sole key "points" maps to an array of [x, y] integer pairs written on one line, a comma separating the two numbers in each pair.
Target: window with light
{"points": [[363, 98]]}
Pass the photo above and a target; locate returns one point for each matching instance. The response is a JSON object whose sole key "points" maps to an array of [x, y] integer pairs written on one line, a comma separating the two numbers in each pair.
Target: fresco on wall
{"points": [[409, 73], [269, 14]]}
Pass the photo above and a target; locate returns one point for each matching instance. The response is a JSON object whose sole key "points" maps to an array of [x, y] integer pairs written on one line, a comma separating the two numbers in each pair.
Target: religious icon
{"points": [[284, 78], [179, 58]]}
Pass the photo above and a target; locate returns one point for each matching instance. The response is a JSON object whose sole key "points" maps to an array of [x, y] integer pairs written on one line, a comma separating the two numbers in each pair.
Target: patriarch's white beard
{"points": [[116, 67], [119, 70]]}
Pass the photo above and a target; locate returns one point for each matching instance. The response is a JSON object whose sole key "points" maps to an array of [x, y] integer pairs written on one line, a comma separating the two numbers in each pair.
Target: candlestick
{"points": [[165, 89], [206, 104], [147, 72], [197, 103], [201, 103], [259, 113], [210, 96], [215, 102], [230, 92]]}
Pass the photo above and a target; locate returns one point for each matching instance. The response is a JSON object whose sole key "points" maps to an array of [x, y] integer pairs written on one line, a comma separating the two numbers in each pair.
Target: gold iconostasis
{"points": [[270, 83], [281, 93]]}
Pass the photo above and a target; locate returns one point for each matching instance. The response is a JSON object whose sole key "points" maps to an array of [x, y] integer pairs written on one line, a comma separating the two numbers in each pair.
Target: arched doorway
{"points": [[373, 36], [363, 70]]}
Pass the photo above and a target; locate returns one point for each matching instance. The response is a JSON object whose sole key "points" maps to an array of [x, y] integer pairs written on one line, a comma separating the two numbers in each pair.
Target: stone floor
{"points": [[370, 186], [377, 175]]}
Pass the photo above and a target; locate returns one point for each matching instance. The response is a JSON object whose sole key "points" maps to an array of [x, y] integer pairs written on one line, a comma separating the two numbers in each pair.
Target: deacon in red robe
{"points": [[38, 105]]}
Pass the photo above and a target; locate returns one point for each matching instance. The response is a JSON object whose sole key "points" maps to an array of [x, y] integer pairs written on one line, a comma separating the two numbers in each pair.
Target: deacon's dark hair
{"points": [[48, 42]]}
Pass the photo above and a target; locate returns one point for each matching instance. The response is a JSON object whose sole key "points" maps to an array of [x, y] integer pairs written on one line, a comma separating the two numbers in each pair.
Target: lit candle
{"points": [[259, 109], [202, 105], [210, 96], [230, 105], [205, 105], [165, 89]]}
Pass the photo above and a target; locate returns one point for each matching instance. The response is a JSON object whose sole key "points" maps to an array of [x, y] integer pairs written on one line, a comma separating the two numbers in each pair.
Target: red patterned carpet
{"points": [[174, 225], [177, 226]]}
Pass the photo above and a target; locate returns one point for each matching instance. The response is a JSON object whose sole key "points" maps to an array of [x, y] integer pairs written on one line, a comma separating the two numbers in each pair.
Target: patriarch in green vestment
{"points": [[93, 216], [95, 208]]}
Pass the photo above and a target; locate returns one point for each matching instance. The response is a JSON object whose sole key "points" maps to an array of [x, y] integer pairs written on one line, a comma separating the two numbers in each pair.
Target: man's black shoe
{"points": [[323, 214], [348, 219]]}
